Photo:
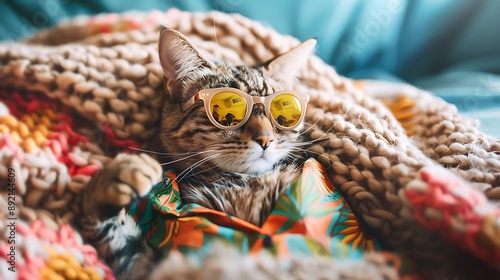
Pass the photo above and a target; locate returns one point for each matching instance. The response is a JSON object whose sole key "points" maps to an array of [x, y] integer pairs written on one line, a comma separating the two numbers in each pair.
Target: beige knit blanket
{"points": [[421, 177]]}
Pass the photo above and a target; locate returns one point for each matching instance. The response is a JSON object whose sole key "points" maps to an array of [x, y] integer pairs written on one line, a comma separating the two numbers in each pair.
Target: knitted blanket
{"points": [[419, 176]]}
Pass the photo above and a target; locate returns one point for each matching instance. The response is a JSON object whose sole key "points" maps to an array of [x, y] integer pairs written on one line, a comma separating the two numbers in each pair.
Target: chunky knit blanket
{"points": [[422, 179]]}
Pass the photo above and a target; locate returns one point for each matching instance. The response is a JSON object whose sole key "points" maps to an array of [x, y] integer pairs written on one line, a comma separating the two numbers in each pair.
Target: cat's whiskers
{"points": [[311, 126], [184, 173], [174, 154], [218, 165], [188, 154], [313, 141], [304, 147], [296, 148], [293, 151], [187, 157], [156, 152], [305, 143]]}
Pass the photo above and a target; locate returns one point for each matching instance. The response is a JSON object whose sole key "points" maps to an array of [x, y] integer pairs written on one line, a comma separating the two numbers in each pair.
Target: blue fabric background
{"points": [[449, 47]]}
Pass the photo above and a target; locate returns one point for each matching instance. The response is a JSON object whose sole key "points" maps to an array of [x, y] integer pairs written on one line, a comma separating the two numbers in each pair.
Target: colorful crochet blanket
{"points": [[420, 178]]}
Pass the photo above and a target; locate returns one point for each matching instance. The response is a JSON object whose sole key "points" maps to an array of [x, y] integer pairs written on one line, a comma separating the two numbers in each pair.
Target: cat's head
{"points": [[188, 135]]}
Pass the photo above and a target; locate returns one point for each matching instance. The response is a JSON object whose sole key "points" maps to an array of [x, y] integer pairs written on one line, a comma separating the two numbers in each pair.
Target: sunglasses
{"points": [[230, 108]]}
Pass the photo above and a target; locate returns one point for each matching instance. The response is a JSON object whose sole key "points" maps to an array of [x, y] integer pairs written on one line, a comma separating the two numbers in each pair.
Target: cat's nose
{"points": [[259, 129], [264, 139]]}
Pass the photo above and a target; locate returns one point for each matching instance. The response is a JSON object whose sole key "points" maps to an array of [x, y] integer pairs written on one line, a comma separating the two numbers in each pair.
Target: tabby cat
{"points": [[234, 151]]}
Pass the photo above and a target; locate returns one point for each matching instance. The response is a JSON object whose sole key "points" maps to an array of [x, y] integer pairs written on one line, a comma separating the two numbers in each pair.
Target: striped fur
{"points": [[106, 225], [230, 171]]}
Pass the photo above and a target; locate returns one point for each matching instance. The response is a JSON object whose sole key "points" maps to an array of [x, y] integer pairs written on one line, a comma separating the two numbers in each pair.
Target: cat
{"points": [[238, 171]]}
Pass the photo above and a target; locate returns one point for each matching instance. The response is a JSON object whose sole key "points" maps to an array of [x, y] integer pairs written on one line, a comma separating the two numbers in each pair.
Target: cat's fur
{"points": [[231, 171]]}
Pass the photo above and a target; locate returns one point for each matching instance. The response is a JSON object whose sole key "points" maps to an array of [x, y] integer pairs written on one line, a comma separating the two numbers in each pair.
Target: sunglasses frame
{"points": [[207, 94]]}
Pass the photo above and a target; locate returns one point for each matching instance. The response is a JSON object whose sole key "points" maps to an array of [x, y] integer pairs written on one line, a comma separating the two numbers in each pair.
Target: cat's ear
{"points": [[286, 66], [182, 63]]}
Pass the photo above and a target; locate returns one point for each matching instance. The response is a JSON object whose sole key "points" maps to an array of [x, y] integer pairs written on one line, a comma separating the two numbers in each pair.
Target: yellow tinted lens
{"points": [[286, 109], [228, 108]]}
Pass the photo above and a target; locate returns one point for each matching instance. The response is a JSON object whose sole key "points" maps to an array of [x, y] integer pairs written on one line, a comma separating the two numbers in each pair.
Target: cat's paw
{"points": [[125, 178]]}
